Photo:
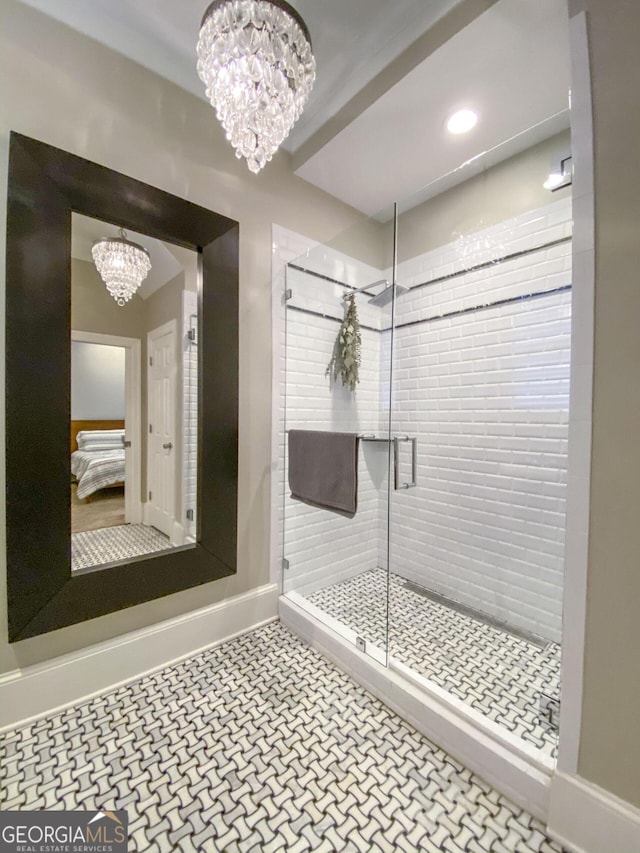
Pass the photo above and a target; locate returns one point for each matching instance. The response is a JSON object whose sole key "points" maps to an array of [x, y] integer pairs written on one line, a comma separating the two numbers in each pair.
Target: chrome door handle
{"points": [[168, 445], [396, 462]]}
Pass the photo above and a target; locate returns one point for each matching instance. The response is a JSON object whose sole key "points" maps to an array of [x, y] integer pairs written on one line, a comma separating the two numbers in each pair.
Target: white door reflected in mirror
{"points": [[161, 385]]}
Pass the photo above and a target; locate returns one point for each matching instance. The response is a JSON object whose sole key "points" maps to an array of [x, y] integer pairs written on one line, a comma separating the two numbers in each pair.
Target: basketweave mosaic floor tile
{"points": [[497, 673], [260, 746], [121, 542]]}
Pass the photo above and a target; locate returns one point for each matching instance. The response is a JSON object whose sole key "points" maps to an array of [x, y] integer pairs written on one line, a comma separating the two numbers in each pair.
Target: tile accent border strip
{"points": [[58, 683]]}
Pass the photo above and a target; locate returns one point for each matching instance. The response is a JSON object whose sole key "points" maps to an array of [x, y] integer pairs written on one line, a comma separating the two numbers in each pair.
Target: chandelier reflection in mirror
{"points": [[122, 265], [255, 59]]}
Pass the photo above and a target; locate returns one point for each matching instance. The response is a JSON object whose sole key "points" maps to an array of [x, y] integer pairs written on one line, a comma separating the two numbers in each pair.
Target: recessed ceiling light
{"points": [[462, 121]]}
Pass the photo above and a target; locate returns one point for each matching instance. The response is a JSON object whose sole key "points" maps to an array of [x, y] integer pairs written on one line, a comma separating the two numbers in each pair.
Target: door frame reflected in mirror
{"points": [[133, 415], [45, 186]]}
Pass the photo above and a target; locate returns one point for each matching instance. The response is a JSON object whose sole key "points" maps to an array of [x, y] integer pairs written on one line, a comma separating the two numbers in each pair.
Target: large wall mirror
{"points": [[122, 419]]}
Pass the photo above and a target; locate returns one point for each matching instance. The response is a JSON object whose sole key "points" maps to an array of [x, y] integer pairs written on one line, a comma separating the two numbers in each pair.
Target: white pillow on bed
{"points": [[105, 439], [100, 433], [100, 448]]}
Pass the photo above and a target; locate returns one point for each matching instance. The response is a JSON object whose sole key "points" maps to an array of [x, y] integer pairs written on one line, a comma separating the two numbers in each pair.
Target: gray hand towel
{"points": [[323, 469]]}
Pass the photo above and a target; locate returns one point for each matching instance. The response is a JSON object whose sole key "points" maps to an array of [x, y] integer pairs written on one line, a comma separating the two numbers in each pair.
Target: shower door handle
{"points": [[396, 462]]}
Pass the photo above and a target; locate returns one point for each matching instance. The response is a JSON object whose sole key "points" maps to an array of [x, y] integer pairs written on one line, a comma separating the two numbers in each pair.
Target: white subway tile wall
{"points": [[189, 414], [323, 547], [486, 393]]}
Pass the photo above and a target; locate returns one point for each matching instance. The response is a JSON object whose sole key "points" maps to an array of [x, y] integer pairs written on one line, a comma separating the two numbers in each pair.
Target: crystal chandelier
{"points": [[254, 57], [122, 265]]}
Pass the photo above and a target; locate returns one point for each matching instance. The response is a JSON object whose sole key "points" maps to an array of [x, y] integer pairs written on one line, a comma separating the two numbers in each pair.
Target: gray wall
{"points": [[93, 309], [499, 193], [610, 736], [95, 103], [97, 382]]}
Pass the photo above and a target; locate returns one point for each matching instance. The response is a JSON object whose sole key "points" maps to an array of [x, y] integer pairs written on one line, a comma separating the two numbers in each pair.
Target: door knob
{"points": [[168, 445]]}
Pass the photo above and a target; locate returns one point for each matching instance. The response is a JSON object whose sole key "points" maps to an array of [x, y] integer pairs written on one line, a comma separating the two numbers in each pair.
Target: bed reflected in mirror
{"points": [[133, 426]]}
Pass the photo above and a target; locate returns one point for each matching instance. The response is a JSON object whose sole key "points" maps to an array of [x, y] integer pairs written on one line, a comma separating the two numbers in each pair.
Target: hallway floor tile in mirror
{"points": [[497, 673], [108, 544], [260, 746]]}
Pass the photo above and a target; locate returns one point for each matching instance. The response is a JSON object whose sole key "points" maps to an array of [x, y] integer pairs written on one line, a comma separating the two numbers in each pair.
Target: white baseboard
{"points": [[39, 690], [510, 770], [134, 516], [589, 819], [178, 534]]}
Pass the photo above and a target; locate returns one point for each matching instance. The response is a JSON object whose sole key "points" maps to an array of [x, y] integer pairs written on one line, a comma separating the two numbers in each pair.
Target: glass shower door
{"points": [[335, 392], [480, 393]]}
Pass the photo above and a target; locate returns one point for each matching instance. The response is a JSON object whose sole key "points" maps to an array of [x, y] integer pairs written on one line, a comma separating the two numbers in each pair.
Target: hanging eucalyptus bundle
{"points": [[345, 361]]}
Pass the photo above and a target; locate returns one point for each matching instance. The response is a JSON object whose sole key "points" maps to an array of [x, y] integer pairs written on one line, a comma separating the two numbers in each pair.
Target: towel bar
{"points": [[365, 436], [397, 439], [370, 436]]}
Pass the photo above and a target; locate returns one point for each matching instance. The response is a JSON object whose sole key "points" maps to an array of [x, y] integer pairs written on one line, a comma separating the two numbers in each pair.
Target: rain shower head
{"points": [[385, 296]]}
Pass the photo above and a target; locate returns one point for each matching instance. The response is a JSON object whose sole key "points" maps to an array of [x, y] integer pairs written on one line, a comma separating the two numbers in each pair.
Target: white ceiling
{"points": [[353, 40], [511, 64]]}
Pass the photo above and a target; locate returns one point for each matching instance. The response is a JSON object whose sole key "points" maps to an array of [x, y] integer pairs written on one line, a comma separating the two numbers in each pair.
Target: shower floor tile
{"points": [[493, 671], [259, 746]]}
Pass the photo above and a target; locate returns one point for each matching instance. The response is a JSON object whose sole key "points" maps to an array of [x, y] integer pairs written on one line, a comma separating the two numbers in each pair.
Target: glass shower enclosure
{"points": [[451, 569]]}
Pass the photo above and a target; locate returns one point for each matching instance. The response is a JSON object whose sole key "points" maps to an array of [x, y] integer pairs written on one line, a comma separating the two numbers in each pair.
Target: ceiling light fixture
{"points": [[462, 121], [122, 265], [255, 59]]}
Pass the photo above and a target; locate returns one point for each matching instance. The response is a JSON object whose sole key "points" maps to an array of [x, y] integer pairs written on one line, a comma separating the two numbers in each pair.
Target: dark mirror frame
{"points": [[45, 186]]}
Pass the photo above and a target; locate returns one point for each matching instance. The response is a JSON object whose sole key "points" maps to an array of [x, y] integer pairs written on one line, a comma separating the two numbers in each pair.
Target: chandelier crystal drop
{"points": [[255, 59], [122, 265]]}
